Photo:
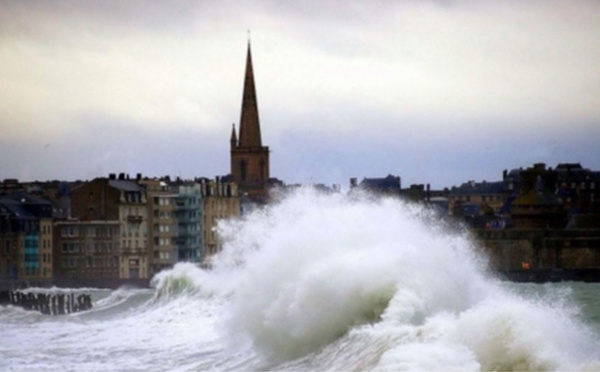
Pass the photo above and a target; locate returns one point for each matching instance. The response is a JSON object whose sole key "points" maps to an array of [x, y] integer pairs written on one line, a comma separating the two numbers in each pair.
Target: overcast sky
{"points": [[436, 92]]}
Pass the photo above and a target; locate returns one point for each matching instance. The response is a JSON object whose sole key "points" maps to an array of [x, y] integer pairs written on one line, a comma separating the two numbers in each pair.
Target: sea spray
{"points": [[389, 280], [315, 265]]}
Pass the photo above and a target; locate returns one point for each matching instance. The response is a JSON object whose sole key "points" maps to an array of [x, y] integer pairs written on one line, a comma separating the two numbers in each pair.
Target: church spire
{"points": [[249, 158], [233, 139], [249, 123]]}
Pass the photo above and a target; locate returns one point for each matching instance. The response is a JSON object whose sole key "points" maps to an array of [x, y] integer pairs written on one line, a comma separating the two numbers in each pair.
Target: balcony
{"points": [[134, 251], [135, 219]]}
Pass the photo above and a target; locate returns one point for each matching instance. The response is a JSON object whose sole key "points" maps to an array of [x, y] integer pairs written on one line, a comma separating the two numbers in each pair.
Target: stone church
{"points": [[249, 158]]}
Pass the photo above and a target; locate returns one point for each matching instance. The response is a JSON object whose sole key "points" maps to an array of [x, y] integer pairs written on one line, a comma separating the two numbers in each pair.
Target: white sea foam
{"points": [[316, 268]]}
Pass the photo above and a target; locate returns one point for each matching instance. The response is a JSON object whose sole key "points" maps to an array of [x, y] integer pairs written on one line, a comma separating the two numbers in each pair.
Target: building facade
{"points": [[87, 250], [25, 237], [221, 201], [122, 201], [161, 222], [474, 198]]}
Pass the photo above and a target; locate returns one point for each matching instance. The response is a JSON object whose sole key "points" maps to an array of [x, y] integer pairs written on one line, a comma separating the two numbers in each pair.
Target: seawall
{"points": [[543, 255]]}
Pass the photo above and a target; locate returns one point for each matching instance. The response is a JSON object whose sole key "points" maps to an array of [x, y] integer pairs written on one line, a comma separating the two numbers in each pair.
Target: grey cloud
{"points": [[436, 92]]}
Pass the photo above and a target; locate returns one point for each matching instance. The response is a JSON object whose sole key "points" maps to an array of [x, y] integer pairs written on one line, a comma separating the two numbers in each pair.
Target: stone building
{"points": [[485, 197], [25, 237], [578, 188], [537, 207], [161, 222], [187, 225], [87, 250], [543, 243], [123, 201], [249, 158], [389, 185], [221, 201]]}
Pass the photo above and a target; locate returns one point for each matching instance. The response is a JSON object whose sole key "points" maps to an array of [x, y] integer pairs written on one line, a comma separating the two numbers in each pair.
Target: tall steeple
{"points": [[249, 158], [249, 123], [233, 139]]}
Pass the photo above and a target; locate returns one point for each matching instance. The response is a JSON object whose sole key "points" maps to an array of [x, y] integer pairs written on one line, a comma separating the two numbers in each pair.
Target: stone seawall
{"points": [[539, 255]]}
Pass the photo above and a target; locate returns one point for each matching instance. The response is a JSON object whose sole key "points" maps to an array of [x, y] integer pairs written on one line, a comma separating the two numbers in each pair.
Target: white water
{"points": [[320, 282]]}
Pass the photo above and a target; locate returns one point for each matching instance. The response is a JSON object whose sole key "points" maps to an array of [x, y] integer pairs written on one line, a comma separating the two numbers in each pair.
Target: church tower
{"points": [[249, 158]]}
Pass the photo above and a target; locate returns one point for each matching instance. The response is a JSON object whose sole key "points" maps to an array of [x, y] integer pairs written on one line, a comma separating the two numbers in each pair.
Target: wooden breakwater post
{"points": [[48, 304]]}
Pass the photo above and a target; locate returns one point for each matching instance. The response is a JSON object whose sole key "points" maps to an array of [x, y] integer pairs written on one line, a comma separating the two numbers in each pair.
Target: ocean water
{"points": [[319, 282]]}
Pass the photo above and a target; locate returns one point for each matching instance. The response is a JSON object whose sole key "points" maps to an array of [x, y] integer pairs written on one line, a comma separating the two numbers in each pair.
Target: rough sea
{"points": [[320, 282]]}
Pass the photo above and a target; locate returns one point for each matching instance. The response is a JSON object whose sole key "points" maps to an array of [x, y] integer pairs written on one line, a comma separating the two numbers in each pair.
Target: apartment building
{"points": [[187, 215], [122, 201], [474, 198], [161, 223], [220, 201], [87, 249], [25, 237]]}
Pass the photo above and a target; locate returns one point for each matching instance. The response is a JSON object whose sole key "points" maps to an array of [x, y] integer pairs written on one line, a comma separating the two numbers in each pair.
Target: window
{"points": [[243, 170]]}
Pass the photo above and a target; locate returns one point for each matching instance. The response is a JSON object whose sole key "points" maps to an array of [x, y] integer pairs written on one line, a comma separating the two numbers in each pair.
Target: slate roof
{"points": [[14, 208], [478, 188], [124, 185], [389, 182]]}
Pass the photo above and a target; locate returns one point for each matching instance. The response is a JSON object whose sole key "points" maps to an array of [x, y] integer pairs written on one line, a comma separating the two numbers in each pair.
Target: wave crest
{"points": [[184, 279], [313, 266]]}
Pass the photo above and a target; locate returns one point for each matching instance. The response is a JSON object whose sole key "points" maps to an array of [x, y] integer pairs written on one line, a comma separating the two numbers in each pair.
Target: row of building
{"points": [[116, 229], [537, 224], [568, 194], [111, 228]]}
